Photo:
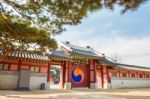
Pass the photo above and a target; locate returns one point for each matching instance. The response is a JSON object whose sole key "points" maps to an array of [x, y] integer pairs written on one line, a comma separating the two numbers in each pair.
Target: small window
{"points": [[1, 66], [124, 74], [34, 69], [4, 66], [114, 74]]}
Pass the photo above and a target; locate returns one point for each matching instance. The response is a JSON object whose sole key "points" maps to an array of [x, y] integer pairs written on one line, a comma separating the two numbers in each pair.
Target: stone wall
{"points": [[8, 79], [129, 82], [36, 79]]}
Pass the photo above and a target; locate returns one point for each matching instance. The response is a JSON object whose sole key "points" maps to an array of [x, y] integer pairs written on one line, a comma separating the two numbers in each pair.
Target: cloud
{"points": [[107, 25], [132, 51], [109, 32]]}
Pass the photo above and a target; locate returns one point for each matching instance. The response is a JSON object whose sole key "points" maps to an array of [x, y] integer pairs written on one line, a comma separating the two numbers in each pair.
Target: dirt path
{"points": [[78, 94]]}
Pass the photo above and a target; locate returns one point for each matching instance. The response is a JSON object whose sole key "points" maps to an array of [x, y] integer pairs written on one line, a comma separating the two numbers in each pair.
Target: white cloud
{"points": [[131, 50], [114, 32], [134, 51], [109, 32], [107, 25]]}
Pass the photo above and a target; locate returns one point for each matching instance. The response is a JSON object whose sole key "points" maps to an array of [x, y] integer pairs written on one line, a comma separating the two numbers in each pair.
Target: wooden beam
{"points": [[48, 72], [19, 64]]}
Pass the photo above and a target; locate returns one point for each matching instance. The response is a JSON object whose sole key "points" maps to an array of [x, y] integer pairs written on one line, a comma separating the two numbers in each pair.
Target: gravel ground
{"points": [[77, 94]]}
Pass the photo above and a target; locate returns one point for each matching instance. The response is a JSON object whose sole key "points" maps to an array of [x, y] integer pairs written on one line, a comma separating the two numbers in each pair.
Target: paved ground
{"points": [[78, 94]]}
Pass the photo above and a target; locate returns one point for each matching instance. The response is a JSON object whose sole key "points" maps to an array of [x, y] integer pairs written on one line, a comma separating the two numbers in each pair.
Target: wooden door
{"points": [[79, 75]]}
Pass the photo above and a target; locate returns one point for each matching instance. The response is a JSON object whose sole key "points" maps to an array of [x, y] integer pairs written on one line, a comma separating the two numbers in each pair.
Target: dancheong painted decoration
{"points": [[78, 75]]}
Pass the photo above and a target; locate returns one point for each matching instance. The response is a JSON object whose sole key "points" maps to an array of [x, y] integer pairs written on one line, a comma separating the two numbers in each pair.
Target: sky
{"points": [[126, 36]]}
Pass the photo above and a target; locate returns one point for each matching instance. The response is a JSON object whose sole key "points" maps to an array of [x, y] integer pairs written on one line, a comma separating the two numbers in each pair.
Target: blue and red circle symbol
{"points": [[78, 75]]}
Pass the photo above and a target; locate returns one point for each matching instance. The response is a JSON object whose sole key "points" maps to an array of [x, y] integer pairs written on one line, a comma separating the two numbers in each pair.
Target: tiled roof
{"points": [[123, 66], [26, 56], [106, 61], [87, 52], [57, 54], [132, 67]]}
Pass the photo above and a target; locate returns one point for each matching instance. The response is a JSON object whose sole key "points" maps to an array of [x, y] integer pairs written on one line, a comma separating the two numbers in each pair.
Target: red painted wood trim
{"points": [[119, 72], [63, 74], [94, 65], [129, 74], [90, 69], [102, 77], [9, 61], [48, 72], [67, 71], [93, 69], [69, 64], [33, 64], [19, 65]]}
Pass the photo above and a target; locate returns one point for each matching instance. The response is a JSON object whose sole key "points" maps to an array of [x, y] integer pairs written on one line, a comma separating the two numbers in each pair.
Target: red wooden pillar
{"points": [[102, 77], [99, 77], [94, 64], [19, 64], [67, 83], [105, 77], [48, 72], [62, 74], [92, 71], [144, 75], [19, 69], [137, 75], [119, 73], [129, 74], [67, 72]]}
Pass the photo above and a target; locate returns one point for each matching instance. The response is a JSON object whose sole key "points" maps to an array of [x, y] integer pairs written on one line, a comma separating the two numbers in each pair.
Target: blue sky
{"points": [[109, 32]]}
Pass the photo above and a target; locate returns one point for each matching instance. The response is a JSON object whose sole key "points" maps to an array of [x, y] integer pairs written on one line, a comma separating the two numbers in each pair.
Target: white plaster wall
{"points": [[67, 85], [36, 79], [129, 83], [93, 86], [8, 80]]}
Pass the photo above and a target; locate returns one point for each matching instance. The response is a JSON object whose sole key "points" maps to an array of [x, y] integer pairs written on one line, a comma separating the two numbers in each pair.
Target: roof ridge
{"points": [[79, 46], [133, 65]]}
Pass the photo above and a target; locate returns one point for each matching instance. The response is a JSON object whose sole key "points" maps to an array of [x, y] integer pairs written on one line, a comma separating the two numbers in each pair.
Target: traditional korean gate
{"points": [[80, 76]]}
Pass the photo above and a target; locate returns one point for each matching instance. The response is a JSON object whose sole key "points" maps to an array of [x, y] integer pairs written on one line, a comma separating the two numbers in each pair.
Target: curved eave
{"points": [[58, 55], [25, 57], [132, 68], [58, 58], [28, 59], [105, 61], [108, 64]]}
